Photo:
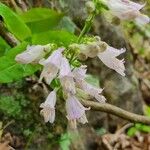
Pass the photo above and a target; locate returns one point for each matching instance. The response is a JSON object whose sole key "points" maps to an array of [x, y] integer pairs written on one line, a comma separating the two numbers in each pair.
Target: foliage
{"points": [[39, 22], [65, 142], [138, 127], [17, 27], [41, 19]]}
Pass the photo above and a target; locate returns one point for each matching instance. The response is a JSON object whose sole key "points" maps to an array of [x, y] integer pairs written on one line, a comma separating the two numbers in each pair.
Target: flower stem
{"points": [[87, 26]]}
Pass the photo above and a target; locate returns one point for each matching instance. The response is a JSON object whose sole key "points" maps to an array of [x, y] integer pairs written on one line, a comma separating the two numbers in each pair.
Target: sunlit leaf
{"points": [[10, 70], [60, 37], [14, 23], [41, 19], [3, 46]]}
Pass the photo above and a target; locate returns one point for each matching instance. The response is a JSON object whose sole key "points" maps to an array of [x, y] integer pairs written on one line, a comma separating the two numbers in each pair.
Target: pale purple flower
{"points": [[91, 90], [33, 54], [80, 72], [48, 111], [75, 110], [79, 76], [51, 66], [108, 57], [127, 10], [66, 77]]}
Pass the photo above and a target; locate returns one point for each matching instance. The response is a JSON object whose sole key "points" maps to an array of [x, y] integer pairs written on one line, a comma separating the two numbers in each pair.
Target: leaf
{"points": [[65, 142], [3, 46], [59, 37], [67, 24], [14, 23], [132, 131], [10, 70], [41, 19], [147, 110]]}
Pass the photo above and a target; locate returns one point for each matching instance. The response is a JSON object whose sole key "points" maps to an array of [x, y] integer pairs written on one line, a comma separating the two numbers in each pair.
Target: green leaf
{"points": [[145, 128], [14, 23], [67, 24], [147, 110], [59, 37], [41, 19], [3, 46], [65, 142], [10, 70], [132, 131]]}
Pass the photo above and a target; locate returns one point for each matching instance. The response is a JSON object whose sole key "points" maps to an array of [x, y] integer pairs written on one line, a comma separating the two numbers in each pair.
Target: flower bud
{"points": [[90, 7]]}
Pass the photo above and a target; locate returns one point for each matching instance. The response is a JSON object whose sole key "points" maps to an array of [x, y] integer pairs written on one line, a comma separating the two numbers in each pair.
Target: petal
{"points": [[33, 53], [142, 19], [50, 100], [49, 73], [91, 90], [75, 110], [124, 9], [109, 59], [68, 84], [48, 114], [80, 73], [54, 58], [65, 69]]}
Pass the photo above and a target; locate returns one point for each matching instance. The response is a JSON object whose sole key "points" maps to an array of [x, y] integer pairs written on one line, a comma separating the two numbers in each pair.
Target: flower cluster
{"points": [[104, 52], [127, 10], [57, 66]]}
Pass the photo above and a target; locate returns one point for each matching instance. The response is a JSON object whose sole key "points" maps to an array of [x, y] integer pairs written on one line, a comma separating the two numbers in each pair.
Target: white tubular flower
{"points": [[79, 76], [75, 110], [80, 73], [33, 54], [91, 90], [127, 10], [66, 77], [48, 111], [108, 57], [51, 66]]}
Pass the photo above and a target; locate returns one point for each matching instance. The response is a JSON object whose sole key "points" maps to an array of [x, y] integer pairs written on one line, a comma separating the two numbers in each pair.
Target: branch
{"points": [[108, 108], [10, 39]]}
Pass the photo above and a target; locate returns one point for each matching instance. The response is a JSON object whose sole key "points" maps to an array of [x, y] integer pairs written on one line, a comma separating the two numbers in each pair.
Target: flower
{"points": [[108, 57], [33, 54], [48, 106], [127, 10], [51, 66], [75, 110], [80, 72], [91, 90], [79, 76], [66, 77]]}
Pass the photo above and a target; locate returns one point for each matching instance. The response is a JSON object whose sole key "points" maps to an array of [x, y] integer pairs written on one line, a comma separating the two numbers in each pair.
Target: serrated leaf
{"points": [[14, 23], [10, 70], [59, 37], [41, 19]]}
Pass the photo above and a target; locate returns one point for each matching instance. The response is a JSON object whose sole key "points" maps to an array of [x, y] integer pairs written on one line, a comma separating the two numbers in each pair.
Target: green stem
{"points": [[87, 26]]}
